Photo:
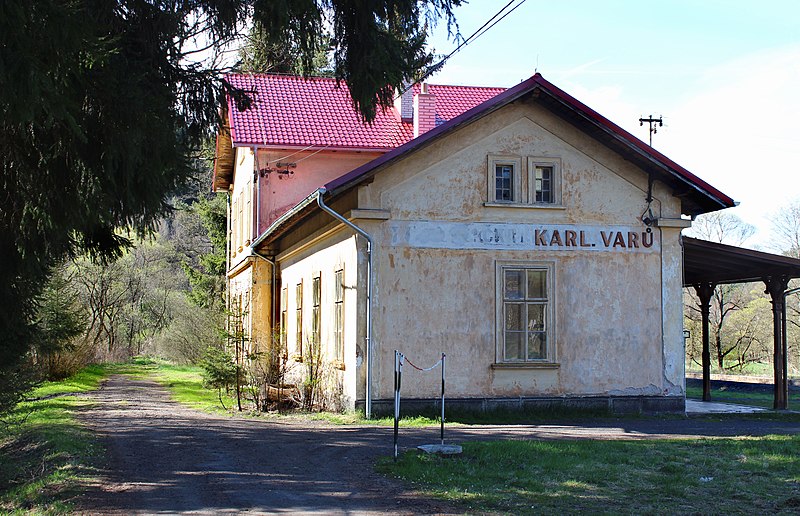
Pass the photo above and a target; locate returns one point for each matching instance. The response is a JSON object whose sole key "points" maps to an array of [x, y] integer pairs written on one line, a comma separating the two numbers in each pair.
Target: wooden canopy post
{"points": [[776, 285], [704, 292]]}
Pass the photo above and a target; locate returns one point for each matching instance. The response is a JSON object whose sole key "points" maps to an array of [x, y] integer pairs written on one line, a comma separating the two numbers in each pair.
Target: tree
{"points": [[785, 239], [259, 55], [722, 227], [102, 103], [725, 342], [786, 230]]}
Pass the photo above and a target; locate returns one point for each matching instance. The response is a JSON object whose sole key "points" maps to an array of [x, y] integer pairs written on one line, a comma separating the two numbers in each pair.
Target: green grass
{"points": [[751, 369], [719, 476], [756, 399], [357, 418], [46, 454], [185, 384]]}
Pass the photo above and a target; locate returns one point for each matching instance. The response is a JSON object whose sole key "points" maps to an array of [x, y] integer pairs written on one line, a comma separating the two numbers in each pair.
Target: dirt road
{"points": [[165, 458]]}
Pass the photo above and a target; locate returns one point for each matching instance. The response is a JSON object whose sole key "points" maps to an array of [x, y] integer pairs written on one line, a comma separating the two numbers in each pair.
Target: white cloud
{"points": [[736, 130]]}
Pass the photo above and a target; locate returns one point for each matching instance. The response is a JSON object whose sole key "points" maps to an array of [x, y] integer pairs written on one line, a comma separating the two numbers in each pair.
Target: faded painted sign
{"points": [[513, 236]]}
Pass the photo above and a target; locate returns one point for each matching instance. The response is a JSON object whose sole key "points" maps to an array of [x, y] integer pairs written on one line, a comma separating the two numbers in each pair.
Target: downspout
{"points": [[340, 218], [228, 248], [255, 230]]}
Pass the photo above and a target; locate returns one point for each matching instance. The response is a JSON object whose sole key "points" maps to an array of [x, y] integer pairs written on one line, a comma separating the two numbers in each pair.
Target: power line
{"points": [[483, 29]]}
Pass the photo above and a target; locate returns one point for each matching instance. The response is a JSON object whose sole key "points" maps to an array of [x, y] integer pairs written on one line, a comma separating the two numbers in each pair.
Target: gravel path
{"points": [[165, 458]]}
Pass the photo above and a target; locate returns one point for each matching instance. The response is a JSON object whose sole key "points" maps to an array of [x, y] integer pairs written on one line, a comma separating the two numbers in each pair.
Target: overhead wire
{"points": [[483, 29]]}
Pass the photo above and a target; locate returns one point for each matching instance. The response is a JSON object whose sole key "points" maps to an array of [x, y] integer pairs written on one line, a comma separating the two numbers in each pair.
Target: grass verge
{"points": [[752, 397], [185, 384], [46, 454], [707, 476]]}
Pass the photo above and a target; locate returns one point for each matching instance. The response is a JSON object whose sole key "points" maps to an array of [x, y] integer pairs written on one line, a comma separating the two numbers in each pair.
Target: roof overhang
{"points": [[224, 158], [710, 262], [696, 195]]}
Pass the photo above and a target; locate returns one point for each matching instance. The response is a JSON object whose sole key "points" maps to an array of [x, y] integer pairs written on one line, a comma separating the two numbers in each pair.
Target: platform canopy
{"points": [[708, 264], [705, 261]]}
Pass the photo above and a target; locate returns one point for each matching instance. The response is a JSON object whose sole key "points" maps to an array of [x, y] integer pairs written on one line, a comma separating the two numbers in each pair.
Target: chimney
{"points": [[404, 104], [424, 111]]}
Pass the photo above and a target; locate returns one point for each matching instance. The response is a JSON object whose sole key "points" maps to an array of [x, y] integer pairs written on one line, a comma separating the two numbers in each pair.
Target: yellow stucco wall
{"points": [[322, 257], [612, 336], [617, 316]]}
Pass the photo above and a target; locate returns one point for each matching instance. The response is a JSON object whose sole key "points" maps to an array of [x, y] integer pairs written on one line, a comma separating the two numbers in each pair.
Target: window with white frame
{"points": [[298, 299], [505, 179], [544, 181], [525, 308], [316, 315], [338, 316], [284, 317]]}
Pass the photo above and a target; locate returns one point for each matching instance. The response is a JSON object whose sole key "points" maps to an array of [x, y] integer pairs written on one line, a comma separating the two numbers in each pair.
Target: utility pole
{"points": [[654, 124]]}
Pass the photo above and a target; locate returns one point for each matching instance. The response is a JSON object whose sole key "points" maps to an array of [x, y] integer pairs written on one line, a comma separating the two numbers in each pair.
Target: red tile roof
{"points": [[295, 112]]}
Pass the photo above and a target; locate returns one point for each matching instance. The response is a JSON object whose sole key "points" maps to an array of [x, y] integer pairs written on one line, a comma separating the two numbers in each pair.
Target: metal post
{"points": [[442, 429], [398, 368]]}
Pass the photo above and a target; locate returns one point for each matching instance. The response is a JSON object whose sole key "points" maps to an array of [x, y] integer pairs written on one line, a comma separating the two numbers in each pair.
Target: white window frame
{"points": [[516, 179], [338, 316], [551, 356], [299, 320], [284, 320], [316, 312], [555, 164]]}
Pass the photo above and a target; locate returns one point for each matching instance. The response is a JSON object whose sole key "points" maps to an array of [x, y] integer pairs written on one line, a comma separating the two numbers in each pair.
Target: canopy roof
{"points": [[710, 262]]}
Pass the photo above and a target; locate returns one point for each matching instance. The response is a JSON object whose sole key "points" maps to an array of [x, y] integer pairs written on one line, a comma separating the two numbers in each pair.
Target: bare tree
{"points": [[727, 228], [785, 239], [722, 227], [785, 230]]}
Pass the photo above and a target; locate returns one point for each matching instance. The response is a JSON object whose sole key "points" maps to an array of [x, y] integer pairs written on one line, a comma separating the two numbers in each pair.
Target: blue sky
{"points": [[724, 74]]}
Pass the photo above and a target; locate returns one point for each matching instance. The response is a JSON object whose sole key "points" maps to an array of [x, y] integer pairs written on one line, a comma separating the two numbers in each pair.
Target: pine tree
{"points": [[102, 103]]}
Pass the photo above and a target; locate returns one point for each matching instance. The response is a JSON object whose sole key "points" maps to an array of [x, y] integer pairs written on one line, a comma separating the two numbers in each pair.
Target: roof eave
{"points": [[705, 198]]}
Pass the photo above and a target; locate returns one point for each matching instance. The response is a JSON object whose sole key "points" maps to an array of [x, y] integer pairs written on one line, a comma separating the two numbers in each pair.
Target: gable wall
{"points": [[436, 293], [313, 168]]}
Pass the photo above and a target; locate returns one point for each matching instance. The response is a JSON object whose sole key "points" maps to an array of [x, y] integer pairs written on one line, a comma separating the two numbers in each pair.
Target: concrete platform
{"points": [[445, 450], [712, 407]]}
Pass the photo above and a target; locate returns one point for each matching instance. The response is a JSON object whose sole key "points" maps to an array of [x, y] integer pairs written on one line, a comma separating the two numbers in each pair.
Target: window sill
{"points": [[526, 365], [539, 206]]}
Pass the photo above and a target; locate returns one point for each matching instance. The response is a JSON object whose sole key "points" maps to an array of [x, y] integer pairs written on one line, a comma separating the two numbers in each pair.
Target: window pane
{"points": [[514, 346], [513, 284], [537, 346], [338, 285], [537, 284], [315, 283], [536, 315], [504, 181], [544, 184], [514, 317]]}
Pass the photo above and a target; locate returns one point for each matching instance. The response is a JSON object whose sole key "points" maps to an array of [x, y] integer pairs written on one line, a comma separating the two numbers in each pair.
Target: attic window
{"points": [[544, 181], [504, 179], [504, 182]]}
